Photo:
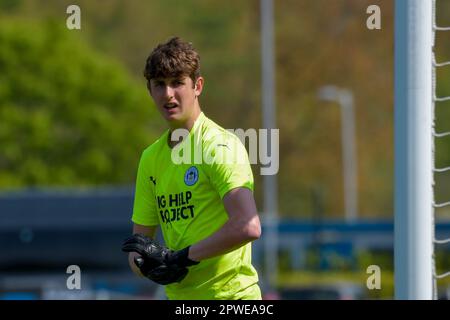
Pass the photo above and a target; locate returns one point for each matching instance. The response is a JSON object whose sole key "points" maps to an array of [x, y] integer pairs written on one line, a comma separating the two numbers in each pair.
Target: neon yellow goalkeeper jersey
{"points": [[182, 189]]}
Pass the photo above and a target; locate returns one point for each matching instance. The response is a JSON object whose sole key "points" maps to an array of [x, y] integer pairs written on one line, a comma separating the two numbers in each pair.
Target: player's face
{"points": [[176, 98]]}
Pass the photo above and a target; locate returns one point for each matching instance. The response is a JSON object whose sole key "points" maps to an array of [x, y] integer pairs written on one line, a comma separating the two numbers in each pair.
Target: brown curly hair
{"points": [[173, 59]]}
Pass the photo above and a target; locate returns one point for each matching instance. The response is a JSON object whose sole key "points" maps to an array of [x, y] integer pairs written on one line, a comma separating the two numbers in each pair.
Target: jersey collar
{"points": [[198, 122]]}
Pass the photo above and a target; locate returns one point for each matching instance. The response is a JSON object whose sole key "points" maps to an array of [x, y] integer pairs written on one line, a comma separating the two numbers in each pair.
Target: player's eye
{"points": [[158, 83]]}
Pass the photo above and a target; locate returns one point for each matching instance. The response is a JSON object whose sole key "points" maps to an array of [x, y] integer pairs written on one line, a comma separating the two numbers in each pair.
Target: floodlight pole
{"points": [[270, 192], [344, 98]]}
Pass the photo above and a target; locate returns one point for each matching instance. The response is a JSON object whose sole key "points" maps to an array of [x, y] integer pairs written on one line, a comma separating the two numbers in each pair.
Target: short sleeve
{"points": [[144, 209], [227, 164]]}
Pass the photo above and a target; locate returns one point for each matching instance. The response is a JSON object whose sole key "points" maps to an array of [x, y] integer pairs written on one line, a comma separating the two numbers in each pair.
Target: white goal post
{"points": [[413, 118]]}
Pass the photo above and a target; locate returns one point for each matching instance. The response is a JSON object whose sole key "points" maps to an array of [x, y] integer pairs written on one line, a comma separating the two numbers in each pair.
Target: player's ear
{"points": [[149, 87], [198, 87]]}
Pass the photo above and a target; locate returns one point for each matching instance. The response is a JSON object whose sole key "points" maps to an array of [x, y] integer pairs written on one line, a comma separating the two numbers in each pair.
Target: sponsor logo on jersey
{"points": [[175, 207]]}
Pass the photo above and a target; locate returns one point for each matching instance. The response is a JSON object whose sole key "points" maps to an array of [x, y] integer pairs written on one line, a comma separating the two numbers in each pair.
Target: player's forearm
{"points": [[232, 235]]}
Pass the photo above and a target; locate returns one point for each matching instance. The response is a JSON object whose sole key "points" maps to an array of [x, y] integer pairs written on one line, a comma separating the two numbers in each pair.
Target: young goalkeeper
{"points": [[205, 209]]}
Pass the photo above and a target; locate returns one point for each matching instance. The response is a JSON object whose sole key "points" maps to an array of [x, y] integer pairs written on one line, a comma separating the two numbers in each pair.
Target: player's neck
{"points": [[188, 124]]}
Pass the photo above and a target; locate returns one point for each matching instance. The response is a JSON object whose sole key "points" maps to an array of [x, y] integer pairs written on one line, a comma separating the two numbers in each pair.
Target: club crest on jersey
{"points": [[191, 176]]}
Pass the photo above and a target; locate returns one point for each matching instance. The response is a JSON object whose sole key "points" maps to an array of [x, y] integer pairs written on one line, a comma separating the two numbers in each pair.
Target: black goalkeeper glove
{"points": [[156, 262]]}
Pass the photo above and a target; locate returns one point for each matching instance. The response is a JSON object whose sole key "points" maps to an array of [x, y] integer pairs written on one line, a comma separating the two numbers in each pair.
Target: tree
{"points": [[68, 115]]}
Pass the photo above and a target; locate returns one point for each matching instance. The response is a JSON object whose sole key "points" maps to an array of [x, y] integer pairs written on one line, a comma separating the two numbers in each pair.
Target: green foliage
{"points": [[68, 115], [9, 5]]}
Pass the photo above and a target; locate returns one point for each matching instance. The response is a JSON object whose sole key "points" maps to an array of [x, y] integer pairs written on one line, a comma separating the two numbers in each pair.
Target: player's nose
{"points": [[169, 92]]}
